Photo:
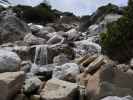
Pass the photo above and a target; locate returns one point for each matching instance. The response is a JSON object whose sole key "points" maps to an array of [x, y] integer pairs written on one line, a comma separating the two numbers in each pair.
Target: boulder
{"points": [[84, 47], [95, 65], [109, 80], [67, 72], [23, 52], [10, 84], [35, 28], [117, 98], [9, 61], [55, 50], [11, 27], [56, 39], [33, 40], [20, 97], [32, 85], [44, 72], [43, 32], [35, 97], [131, 63], [123, 67], [72, 35], [61, 59], [59, 90], [26, 66], [90, 59]]}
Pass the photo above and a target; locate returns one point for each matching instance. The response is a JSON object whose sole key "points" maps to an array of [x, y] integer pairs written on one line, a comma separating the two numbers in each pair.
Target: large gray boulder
{"points": [[12, 28], [67, 72], [59, 90], [84, 47], [41, 31], [10, 84], [61, 59], [9, 61]]}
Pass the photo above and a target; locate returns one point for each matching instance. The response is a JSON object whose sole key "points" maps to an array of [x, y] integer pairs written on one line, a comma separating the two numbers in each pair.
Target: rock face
{"points": [[59, 90], [9, 61], [12, 28], [10, 84]]}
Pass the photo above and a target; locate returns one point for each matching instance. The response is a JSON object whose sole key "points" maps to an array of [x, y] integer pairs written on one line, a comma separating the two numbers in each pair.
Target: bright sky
{"points": [[78, 7]]}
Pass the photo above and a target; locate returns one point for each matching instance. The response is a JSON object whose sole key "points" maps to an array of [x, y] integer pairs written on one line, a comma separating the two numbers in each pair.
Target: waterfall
{"points": [[41, 55]]}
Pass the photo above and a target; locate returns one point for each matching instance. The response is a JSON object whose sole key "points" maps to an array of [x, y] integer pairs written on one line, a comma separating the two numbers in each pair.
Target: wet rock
{"points": [[61, 59], [33, 40], [32, 85], [26, 66], [55, 50], [10, 84], [23, 52], [67, 72], [9, 61], [59, 90], [45, 72]]}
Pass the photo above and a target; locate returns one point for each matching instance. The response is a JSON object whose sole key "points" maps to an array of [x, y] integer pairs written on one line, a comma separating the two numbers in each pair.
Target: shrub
{"points": [[119, 34]]}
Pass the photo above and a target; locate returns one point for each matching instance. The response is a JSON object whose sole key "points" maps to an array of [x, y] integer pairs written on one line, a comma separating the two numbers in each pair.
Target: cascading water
{"points": [[41, 55]]}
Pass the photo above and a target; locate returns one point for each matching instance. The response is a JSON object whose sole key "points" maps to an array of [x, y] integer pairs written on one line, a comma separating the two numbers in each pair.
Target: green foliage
{"points": [[103, 11], [119, 34], [39, 14]]}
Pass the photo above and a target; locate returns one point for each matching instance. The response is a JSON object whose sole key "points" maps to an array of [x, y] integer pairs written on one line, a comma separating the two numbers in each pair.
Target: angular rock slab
{"points": [[10, 84], [59, 90]]}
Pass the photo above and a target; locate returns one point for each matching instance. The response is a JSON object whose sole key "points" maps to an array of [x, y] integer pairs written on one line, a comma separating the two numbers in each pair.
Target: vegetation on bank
{"points": [[41, 13], [38, 14], [118, 39]]}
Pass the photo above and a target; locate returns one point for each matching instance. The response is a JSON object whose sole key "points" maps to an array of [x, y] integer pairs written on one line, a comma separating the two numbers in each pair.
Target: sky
{"points": [[78, 7]]}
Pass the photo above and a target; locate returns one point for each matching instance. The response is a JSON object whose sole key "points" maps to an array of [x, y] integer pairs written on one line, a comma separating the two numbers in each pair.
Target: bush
{"points": [[119, 35]]}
